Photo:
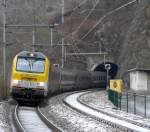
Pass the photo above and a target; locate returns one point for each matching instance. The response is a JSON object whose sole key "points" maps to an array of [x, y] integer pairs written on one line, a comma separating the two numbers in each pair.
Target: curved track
{"points": [[72, 101], [28, 120]]}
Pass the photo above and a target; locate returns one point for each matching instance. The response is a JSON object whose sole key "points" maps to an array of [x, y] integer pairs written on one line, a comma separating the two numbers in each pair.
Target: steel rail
{"points": [[17, 121], [20, 120], [47, 121]]}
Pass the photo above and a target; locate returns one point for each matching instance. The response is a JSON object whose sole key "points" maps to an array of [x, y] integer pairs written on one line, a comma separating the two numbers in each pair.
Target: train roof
{"points": [[75, 71], [139, 69], [31, 54]]}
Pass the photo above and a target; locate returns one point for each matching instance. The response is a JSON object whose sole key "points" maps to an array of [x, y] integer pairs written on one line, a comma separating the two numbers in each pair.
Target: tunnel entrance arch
{"points": [[101, 67]]}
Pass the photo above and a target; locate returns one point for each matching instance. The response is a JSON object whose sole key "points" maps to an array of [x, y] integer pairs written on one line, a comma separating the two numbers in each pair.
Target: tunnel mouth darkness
{"points": [[112, 71]]}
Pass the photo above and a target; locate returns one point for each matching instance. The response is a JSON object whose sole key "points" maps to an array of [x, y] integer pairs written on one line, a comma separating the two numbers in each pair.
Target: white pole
{"points": [[62, 11], [51, 30], [107, 80], [100, 47], [104, 59], [107, 67], [4, 89], [65, 53], [62, 57], [34, 28], [51, 26], [33, 39]]}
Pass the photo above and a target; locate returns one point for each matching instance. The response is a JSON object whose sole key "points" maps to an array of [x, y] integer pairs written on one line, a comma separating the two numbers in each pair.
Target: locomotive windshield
{"points": [[30, 65]]}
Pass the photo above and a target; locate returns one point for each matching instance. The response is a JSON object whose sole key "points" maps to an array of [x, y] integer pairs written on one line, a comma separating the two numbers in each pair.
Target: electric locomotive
{"points": [[29, 78], [34, 77]]}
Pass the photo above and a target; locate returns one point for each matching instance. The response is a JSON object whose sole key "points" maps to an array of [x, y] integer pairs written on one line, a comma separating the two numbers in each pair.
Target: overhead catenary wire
{"points": [[74, 48], [81, 24], [107, 14], [103, 17], [85, 19], [34, 25], [78, 6], [76, 54], [73, 10]]}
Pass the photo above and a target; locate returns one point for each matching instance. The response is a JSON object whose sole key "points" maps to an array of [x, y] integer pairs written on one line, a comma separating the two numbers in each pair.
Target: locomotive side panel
{"points": [[67, 82], [54, 82]]}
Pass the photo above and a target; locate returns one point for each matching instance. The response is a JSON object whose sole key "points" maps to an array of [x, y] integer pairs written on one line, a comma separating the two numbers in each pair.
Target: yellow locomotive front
{"points": [[29, 79]]}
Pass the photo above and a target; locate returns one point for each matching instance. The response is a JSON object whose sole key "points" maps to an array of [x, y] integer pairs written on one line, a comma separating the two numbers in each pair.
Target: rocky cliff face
{"points": [[116, 19], [123, 32], [135, 48]]}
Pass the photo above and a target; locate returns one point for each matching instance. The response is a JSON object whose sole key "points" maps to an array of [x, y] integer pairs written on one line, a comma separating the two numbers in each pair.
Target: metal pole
{"points": [[33, 39], [120, 100], [107, 67], [62, 11], [145, 105], [4, 89], [51, 26], [107, 80], [127, 102], [62, 50], [51, 30], [134, 103], [34, 27], [65, 53], [104, 59], [60, 79], [100, 48]]}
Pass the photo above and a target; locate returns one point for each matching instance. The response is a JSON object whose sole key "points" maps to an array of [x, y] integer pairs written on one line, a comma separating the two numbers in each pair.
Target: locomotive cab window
{"points": [[28, 64]]}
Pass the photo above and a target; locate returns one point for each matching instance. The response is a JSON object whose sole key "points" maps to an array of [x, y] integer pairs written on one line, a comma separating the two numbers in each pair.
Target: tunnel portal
{"points": [[101, 67]]}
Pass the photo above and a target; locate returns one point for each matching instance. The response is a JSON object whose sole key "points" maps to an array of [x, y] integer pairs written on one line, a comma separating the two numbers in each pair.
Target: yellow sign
{"points": [[117, 85]]}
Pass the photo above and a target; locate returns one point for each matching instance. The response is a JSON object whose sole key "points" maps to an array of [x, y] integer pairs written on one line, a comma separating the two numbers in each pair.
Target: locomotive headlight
{"points": [[15, 81], [41, 84]]}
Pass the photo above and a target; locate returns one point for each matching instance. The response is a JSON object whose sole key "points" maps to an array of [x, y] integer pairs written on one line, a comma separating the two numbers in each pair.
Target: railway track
{"points": [[29, 119], [122, 116], [73, 102]]}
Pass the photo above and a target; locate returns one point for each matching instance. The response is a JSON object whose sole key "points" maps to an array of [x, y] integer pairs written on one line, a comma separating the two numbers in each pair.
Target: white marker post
{"points": [[107, 67]]}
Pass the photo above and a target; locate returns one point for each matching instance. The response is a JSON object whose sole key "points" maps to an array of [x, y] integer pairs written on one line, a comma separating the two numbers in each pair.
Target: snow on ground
{"points": [[72, 100], [4, 117], [140, 102], [99, 101], [70, 120]]}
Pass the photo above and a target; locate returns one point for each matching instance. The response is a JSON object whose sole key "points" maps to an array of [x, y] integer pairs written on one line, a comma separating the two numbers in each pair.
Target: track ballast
{"points": [[28, 120]]}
